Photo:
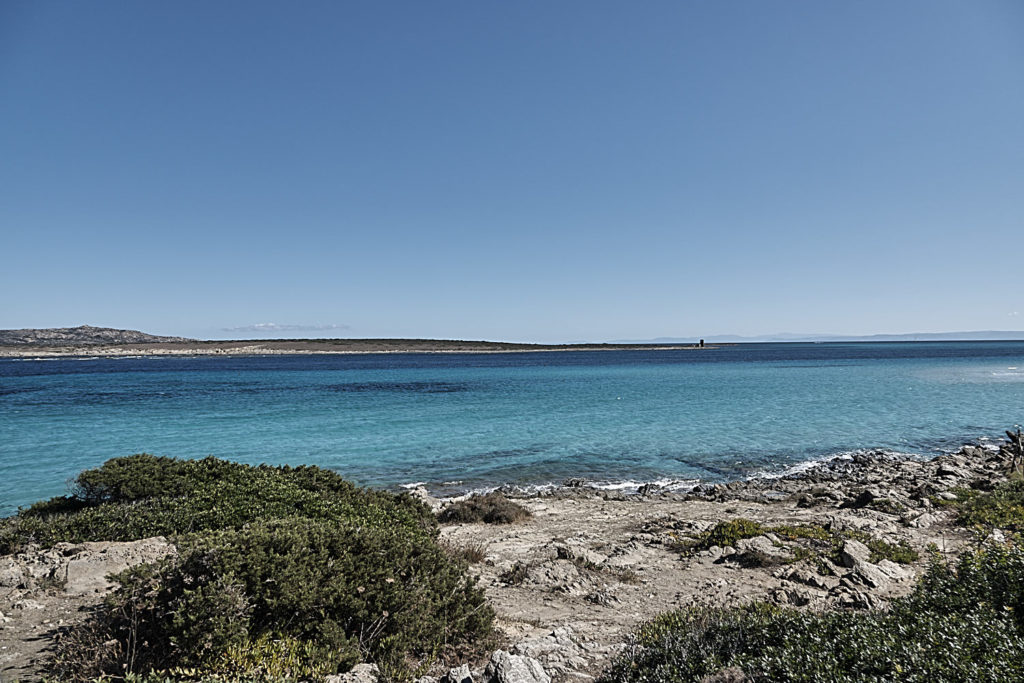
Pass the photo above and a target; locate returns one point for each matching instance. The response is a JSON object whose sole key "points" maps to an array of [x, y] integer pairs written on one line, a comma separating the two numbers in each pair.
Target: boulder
{"points": [[460, 674], [760, 550], [854, 552], [870, 575], [12, 577], [509, 668], [864, 498]]}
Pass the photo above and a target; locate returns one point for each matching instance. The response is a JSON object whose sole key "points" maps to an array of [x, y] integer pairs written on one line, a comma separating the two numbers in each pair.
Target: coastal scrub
{"points": [[140, 496], [963, 622], [280, 574], [490, 508]]}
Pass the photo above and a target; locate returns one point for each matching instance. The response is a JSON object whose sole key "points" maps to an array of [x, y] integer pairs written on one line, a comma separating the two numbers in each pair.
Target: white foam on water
{"points": [[806, 465]]}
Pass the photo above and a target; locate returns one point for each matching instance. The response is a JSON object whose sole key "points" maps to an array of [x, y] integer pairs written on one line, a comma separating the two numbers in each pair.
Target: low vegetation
{"points": [[142, 496], [1000, 508], [816, 540], [490, 508], [281, 574], [963, 622]]}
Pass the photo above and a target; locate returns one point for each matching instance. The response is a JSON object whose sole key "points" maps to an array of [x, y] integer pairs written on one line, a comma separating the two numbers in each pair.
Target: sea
{"points": [[458, 422]]}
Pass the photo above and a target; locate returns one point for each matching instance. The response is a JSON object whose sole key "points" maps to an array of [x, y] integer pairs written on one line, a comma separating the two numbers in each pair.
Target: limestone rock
{"points": [[854, 552], [12, 577], [760, 550], [870, 574], [460, 674], [509, 668], [88, 570]]}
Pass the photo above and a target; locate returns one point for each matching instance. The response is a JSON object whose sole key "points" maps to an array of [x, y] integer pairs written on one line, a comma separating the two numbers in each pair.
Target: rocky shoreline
{"points": [[572, 582]]}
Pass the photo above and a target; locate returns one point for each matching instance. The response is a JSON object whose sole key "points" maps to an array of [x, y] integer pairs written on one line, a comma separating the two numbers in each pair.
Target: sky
{"points": [[528, 171]]}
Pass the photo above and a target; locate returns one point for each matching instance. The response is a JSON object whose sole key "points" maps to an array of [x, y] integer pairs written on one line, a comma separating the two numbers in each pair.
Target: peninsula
{"points": [[103, 341]]}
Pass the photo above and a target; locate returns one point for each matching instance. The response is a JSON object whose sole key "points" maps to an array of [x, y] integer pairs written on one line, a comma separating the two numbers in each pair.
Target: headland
{"points": [[86, 341]]}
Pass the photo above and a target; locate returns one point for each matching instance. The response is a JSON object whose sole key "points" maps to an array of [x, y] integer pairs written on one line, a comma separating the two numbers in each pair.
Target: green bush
{"points": [[142, 495], [1001, 508], [283, 597], [281, 574], [962, 623], [491, 508]]}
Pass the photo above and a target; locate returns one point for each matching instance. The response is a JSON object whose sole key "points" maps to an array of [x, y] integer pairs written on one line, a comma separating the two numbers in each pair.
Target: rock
{"points": [[946, 495], [854, 552], [12, 577], [360, 673], [28, 604], [459, 674], [760, 550], [732, 674], [87, 571], [894, 571], [509, 668], [601, 597], [924, 521], [585, 556], [809, 578], [973, 452], [864, 498], [950, 471], [421, 493], [870, 574]]}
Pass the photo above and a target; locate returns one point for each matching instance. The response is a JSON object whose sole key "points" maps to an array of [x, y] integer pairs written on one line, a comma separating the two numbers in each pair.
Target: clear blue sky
{"points": [[546, 171]]}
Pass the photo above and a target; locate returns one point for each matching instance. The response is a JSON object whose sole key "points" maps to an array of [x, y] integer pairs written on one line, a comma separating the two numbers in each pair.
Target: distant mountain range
{"points": [[982, 335], [77, 336]]}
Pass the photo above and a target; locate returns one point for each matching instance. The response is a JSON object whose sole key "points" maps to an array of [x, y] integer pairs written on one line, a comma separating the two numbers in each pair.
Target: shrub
{"points": [[491, 508], [1001, 508], [142, 495], [962, 623], [278, 598]]}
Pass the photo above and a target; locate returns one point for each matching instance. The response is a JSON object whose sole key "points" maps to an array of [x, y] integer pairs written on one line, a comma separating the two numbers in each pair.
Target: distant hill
{"points": [[77, 336], [982, 335]]}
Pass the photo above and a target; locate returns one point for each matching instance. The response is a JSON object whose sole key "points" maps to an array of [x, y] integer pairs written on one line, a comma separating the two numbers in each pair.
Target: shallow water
{"points": [[459, 421]]}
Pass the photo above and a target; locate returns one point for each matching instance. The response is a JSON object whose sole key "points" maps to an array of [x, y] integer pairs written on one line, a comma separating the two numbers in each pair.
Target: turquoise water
{"points": [[460, 421]]}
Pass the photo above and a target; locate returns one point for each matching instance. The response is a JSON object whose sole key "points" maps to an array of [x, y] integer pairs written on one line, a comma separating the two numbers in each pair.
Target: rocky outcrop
{"points": [[77, 569]]}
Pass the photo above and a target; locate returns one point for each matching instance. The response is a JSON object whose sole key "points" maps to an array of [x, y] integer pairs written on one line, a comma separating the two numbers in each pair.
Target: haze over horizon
{"points": [[528, 172]]}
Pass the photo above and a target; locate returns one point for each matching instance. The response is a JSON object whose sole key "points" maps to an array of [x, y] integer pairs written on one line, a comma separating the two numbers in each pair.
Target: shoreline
{"points": [[595, 564], [571, 583], [85, 353]]}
